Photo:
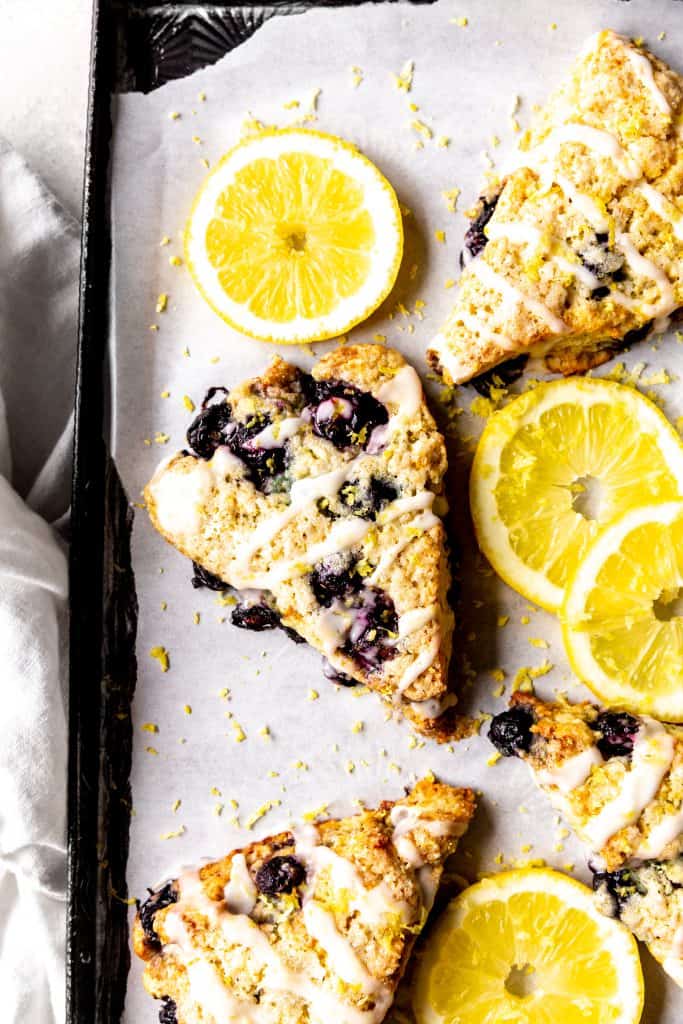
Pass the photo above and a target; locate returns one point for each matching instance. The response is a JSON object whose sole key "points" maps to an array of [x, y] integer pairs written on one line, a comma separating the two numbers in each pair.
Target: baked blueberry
{"points": [[203, 578], [343, 414], [334, 577], [279, 875], [156, 901], [637, 334], [620, 885], [374, 626], [510, 731], [255, 616], [475, 239], [618, 730], [263, 463], [211, 428], [601, 260], [366, 500], [340, 678], [502, 375], [168, 1014]]}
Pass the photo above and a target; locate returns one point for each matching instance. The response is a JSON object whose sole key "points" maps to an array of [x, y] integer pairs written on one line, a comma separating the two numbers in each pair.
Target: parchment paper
{"points": [[339, 747]]}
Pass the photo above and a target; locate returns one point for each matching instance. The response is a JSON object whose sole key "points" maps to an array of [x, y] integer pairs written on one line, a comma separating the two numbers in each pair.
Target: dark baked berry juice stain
{"points": [[155, 902], [342, 413]]}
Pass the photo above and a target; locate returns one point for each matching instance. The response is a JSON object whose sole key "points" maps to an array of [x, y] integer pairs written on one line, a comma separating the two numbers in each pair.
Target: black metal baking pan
{"points": [[135, 46]]}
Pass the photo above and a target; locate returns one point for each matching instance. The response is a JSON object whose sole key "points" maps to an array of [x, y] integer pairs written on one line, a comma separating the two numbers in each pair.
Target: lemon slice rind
{"points": [[379, 199]]}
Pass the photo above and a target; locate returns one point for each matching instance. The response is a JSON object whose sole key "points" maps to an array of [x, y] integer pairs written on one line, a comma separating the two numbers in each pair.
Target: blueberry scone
{"points": [[312, 926], [578, 252], [316, 497], [617, 778]]}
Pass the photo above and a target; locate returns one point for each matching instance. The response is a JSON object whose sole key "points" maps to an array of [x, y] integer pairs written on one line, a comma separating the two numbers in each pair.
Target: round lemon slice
{"points": [[622, 618], [556, 466], [528, 947], [294, 237]]}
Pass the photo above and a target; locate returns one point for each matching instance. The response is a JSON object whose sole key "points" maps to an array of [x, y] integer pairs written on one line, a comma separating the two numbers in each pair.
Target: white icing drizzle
{"points": [[179, 498], [275, 434], [526, 234], [324, 1003], [420, 664], [417, 618], [662, 206], [498, 283], [404, 819], [572, 773], [596, 139], [240, 892], [668, 828], [473, 324], [643, 71], [433, 707], [405, 390], [653, 751], [586, 205], [419, 524], [643, 267]]}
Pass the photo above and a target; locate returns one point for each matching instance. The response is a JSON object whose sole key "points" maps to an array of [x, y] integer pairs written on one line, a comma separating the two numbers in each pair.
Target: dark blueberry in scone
{"points": [[340, 678], [500, 376], [637, 334], [255, 616], [374, 627], [366, 500], [510, 731], [279, 875], [334, 578], [203, 578], [343, 414], [620, 885], [211, 428], [599, 259], [263, 463], [475, 239], [156, 901], [168, 1012], [618, 730]]}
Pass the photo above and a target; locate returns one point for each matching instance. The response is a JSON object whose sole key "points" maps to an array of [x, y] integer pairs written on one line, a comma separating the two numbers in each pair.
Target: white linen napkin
{"points": [[39, 257]]}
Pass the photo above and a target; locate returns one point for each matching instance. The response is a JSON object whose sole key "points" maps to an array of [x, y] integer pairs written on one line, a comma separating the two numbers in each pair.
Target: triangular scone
{"points": [[579, 250], [313, 926], [617, 778], [317, 496]]}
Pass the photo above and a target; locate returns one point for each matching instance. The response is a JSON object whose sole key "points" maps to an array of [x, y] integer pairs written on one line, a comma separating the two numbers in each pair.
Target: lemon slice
{"points": [[622, 618], [528, 947], [558, 464], [294, 237]]}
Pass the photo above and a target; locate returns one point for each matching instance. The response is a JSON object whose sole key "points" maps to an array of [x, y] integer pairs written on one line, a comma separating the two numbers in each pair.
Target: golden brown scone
{"points": [[317, 498], [307, 927], [618, 780], [580, 249]]}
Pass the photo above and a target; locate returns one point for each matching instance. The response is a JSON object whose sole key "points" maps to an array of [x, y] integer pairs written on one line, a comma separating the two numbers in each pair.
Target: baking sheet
{"points": [[196, 783]]}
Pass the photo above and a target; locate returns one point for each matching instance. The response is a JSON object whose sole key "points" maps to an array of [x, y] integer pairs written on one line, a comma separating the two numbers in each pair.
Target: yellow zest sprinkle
{"points": [[154, 327], [162, 302], [165, 394], [272, 775], [449, 282], [313, 694], [260, 812], [218, 810], [539, 642], [175, 261], [499, 858], [525, 620], [412, 743], [503, 620], [204, 162], [201, 97], [174, 115], [357, 75], [422, 129], [357, 727], [404, 79], [460, 22], [188, 403], [265, 732], [291, 105], [161, 438], [443, 141], [499, 690], [440, 236], [350, 767], [552, 26], [160, 654], [175, 805], [165, 240], [197, 141], [379, 338], [300, 766], [494, 758], [240, 735], [150, 727], [187, 709], [174, 835], [152, 750]]}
